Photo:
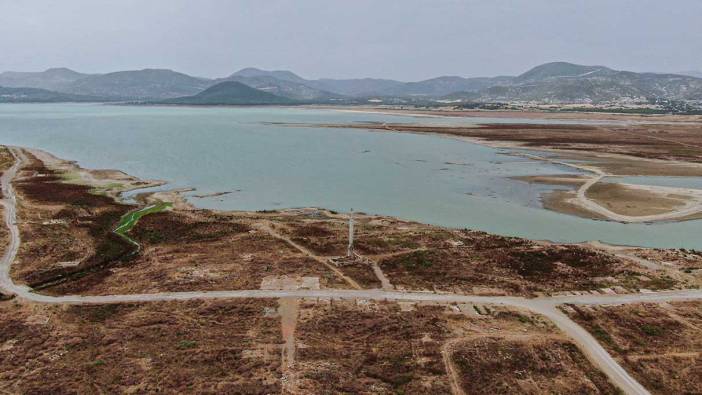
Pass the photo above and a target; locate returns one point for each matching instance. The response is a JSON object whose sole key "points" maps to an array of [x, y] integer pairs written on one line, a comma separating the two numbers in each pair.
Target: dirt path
{"points": [[621, 251], [324, 261], [451, 371], [583, 201], [288, 310], [593, 350], [384, 281], [9, 201]]}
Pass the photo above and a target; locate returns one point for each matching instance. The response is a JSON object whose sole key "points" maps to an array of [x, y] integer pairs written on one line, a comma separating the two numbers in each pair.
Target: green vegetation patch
{"points": [[102, 189], [71, 177], [604, 337], [418, 259], [187, 344], [651, 330], [127, 222]]}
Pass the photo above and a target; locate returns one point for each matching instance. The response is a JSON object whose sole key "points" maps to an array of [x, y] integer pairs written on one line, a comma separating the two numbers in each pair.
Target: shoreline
{"points": [[587, 208], [180, 202], [644, 237], [112, 182], [510, 114]]}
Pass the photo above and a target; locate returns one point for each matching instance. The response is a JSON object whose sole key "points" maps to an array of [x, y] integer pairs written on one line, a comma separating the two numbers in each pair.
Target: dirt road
{"points": [[583, 201]]}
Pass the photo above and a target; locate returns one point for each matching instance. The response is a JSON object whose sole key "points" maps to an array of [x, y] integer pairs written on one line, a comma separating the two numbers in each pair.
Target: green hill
{"points": [[230, 93]]}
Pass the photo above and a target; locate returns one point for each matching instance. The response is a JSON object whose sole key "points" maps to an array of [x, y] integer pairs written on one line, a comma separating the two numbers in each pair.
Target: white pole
{"points": [[349, 251]]}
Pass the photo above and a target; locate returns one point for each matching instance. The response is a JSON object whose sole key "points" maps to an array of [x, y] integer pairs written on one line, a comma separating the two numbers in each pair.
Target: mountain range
{"points": [[38, 95], [550, 82], [691, 73]]}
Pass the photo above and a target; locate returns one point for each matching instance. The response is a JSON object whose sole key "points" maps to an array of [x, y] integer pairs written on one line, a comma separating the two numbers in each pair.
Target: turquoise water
{"points": [[430, 179]]}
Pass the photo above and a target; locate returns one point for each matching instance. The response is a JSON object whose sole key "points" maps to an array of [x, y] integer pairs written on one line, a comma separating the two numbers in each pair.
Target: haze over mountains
{"points": [[550, 82], [691, 73], [37, 95]]}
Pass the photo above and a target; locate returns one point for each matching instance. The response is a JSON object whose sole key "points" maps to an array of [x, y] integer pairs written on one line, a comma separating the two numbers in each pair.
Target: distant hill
{"points": [[434, 87], [567, 82], [437, 87], [360, 87], [139, 84], [562, 91], [282, 75], [691, 73], [51, 79], [556, 70], [36, 95], [281, 83], [229, 93], [297, 87], [549, 82]]}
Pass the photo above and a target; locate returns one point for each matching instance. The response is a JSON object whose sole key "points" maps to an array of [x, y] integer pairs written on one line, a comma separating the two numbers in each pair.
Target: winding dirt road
{"points": [[546, 306], [582, 200]]}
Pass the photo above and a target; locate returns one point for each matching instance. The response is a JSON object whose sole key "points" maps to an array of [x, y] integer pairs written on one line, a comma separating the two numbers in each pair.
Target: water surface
{"points": [[426, 178]]}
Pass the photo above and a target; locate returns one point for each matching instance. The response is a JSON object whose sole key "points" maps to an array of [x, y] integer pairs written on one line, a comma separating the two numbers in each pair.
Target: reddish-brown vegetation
{"points": [[678, 141], [64, 223], [514, 266], [175, 347], [526, 365], [660, 344], [349, 350]]}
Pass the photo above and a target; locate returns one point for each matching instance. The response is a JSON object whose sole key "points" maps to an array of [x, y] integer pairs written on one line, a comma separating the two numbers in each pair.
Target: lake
{"points": [[431, 179]]}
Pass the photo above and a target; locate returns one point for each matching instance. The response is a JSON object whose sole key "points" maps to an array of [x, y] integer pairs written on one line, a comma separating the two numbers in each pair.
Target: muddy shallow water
{"points": [[426, 178]]}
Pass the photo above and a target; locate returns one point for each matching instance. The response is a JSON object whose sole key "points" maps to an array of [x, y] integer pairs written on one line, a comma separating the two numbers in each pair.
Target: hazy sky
{"points": [[403, 39]]}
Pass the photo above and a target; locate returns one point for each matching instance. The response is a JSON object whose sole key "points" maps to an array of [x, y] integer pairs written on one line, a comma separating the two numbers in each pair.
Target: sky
{"points": [[400, 39]]}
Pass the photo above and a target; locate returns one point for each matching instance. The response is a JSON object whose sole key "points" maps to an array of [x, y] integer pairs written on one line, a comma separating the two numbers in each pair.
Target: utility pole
{"points": [[349, 251]]}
